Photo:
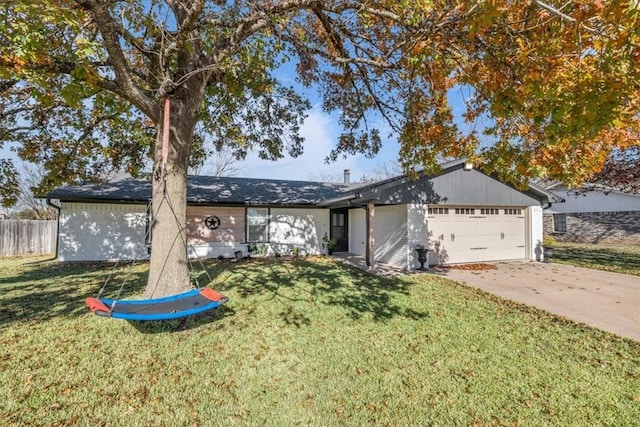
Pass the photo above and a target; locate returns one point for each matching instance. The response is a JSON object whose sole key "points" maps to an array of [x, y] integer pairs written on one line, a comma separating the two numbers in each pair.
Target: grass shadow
{"points": [[46, 289], [182, 324], [319, 281], [598, 257]]}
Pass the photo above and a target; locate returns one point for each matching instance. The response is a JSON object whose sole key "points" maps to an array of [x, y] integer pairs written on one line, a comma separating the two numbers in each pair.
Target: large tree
{"points": [[552, 87]]}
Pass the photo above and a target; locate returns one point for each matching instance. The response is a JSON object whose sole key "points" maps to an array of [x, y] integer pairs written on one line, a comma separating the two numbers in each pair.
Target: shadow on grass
{"points": [[599, 257], [46, 290], [296, 284], [182, 324]]}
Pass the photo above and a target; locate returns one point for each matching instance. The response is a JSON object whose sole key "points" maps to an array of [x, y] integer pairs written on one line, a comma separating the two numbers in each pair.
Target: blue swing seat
{"points": [[171, 307]]}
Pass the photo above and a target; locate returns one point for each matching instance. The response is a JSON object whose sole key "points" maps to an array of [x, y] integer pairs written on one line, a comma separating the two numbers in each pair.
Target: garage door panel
{"points": [[463, 238]]}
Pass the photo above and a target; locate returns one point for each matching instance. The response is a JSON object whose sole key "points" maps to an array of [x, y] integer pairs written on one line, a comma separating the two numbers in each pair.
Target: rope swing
{"points": [[185, 304]]}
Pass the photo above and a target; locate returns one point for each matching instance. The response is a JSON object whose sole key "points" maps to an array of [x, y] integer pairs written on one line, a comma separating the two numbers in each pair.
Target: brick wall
{"points": [[598, 227], [230, 230]]}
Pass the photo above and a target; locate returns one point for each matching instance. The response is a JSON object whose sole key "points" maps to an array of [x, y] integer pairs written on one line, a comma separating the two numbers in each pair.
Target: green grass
{"points": [[307, 342], [617, 258]]}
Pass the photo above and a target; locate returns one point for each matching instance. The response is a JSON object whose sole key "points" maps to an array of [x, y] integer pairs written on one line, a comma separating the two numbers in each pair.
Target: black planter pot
{"points": [[423, 256], [548, 253]]}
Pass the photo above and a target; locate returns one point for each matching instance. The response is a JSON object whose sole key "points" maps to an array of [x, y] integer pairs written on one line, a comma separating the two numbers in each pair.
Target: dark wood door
{"points": [[340, 229]]}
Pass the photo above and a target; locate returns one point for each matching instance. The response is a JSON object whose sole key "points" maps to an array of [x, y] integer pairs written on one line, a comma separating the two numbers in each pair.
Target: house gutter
{"points": [[346, 198], [547, 198]]}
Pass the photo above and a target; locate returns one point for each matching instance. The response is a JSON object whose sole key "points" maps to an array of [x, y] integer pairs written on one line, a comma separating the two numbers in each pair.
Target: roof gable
{"points": [[472, 187], [456, 185]]}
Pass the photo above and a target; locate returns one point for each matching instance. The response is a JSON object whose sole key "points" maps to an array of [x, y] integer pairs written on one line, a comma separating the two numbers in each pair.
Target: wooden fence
{"points": [[26, 237]]}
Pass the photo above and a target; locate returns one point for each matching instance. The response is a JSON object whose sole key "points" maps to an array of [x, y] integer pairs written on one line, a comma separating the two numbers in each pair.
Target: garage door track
{"points": [[609, 301]]}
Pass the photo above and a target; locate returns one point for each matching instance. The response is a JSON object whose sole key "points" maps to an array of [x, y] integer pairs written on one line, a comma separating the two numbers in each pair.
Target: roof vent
{"points": [[347, 176]]}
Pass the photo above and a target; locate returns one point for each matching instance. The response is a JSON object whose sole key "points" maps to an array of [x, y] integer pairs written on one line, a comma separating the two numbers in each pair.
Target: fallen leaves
{"points": [[472, 267]]}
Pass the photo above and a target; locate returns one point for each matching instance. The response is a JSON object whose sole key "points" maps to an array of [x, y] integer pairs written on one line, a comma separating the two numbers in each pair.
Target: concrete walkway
{"points": [[608, 301]]}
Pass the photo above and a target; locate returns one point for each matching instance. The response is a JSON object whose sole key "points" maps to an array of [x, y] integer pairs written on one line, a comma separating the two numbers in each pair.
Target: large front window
{"points": [[257, 224]]}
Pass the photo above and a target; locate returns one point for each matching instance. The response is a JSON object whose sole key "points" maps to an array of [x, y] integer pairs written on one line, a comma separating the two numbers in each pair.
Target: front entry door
{"points": [[340, 229]]}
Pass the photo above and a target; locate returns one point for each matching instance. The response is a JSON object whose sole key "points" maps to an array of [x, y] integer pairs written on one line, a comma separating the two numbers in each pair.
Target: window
{"points": [[465, 211], [338, 220], [513, 211], [257, 224], [560, 223], [439, 211], [490, 211]]}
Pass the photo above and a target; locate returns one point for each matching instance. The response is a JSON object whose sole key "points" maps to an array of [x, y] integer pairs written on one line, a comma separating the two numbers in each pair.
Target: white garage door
{"points": [[468, 234]]}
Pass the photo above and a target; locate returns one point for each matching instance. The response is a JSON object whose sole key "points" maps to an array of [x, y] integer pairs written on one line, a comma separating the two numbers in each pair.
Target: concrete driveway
{"points": [[608, 301]]}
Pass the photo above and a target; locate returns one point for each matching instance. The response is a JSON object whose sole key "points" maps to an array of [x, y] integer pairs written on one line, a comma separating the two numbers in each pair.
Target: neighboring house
{"points": [[462, 214], [593, 215]]}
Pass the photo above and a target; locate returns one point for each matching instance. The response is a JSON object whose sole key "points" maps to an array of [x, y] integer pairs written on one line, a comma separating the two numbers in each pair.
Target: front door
{"points": [[340, 229]]}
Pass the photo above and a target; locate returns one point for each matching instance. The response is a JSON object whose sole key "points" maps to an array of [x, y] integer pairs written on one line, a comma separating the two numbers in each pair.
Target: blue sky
{"points": [[321, 131]]}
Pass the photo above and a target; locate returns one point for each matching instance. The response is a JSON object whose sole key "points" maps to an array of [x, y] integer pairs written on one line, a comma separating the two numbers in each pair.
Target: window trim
{"points": [[465, 211], [513, 211], [438, 210], [489, 211]]}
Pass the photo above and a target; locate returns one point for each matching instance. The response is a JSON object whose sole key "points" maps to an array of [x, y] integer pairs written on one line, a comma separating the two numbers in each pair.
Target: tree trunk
{"points": [[168, 268]]}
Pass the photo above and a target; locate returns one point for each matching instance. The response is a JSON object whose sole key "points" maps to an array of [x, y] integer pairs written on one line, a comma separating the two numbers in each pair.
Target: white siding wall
{"points": [[391, 235], [358, 231], [302, 228], [97, 232], [595, 201], [418, 232], [534, 230], [101, 231]]}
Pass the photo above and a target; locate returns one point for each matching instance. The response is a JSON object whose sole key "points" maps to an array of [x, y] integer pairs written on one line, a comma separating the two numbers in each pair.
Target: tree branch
{"points": [[123, 84], [562, 15]]}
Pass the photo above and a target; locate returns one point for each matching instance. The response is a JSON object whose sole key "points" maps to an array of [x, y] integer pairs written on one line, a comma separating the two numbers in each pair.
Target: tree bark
{"points": [[169, 266]]}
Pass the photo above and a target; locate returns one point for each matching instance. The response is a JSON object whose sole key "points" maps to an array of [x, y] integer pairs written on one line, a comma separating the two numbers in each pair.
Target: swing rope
{"points": [[182, 230]]}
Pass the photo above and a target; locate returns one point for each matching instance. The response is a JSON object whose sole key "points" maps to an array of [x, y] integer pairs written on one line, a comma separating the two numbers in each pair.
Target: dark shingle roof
{"points": [[207, 189]]}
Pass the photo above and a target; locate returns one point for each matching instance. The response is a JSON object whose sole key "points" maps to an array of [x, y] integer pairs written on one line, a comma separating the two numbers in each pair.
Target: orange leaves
{"points": [[486, 15]]}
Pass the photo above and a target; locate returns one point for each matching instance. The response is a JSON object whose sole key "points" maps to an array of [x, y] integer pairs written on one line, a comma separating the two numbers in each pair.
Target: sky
{"points": [[320, 132]]}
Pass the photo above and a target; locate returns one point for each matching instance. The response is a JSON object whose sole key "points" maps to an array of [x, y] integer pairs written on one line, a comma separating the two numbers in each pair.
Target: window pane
{"points": [[257, 224], [560, 223]]}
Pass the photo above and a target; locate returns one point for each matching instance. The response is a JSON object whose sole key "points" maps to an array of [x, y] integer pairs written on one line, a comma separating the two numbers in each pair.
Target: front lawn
{"points": [[308, 342], [617, 258]]}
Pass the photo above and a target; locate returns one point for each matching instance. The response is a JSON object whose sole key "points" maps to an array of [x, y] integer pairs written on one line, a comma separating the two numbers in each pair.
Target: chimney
{"points": [[347, 176]]}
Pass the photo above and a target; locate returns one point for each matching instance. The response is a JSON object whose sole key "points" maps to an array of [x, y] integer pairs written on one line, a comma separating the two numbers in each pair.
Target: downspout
{"points": [[58, 209]]}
